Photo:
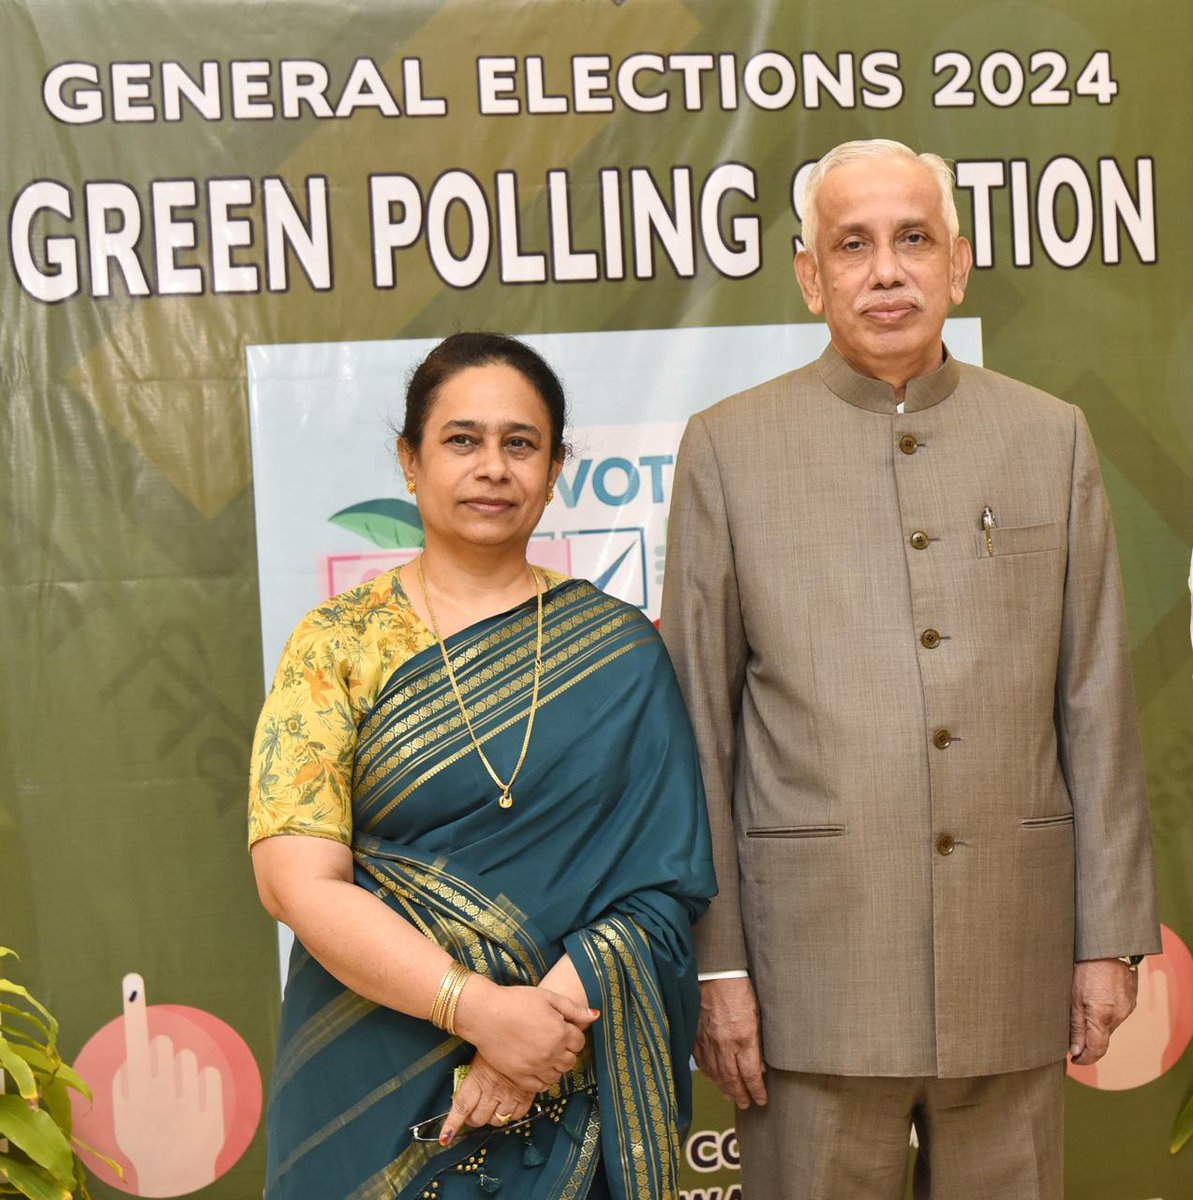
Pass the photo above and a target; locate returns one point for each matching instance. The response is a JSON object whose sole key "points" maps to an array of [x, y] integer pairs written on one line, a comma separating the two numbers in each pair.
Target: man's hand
{"points": [[729, 1040], [1104, 992]]}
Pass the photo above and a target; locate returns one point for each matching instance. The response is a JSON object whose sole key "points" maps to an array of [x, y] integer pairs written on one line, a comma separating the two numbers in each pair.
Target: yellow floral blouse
{"points": [[329, 676]]}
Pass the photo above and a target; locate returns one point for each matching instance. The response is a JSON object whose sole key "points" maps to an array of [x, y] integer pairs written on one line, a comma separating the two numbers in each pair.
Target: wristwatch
{"points": [[1131, 960]]}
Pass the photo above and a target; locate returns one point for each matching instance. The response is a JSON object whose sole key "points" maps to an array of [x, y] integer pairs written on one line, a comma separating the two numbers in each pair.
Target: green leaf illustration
{"points": [[389, 523]]}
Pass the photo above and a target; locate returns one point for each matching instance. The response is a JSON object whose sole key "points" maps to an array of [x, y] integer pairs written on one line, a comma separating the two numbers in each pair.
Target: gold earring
{"points": [[410, 486], [550, 492]]}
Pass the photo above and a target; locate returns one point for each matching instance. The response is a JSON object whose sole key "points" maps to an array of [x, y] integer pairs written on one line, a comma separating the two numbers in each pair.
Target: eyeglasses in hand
{"points": [[430, 1129]]}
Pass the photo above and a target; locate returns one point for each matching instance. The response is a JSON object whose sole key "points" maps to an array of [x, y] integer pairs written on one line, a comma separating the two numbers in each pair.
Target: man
{"points": [[893, 602]]}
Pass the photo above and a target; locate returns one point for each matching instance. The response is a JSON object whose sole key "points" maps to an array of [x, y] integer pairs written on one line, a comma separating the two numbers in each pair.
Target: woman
{"points": [[476, 802]]}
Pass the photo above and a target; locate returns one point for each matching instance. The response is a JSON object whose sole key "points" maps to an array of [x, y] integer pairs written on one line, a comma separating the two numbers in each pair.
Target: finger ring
{"points": [[501, 1118]]}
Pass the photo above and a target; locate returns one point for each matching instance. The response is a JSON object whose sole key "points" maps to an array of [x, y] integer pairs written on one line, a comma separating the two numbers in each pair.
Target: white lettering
{"points": [[249, 81], [590, 75], [85, 106], [1065, 173], [171, 234], [61, 280], [388, 235], [366, 89], [569, 265], [1137, 217], [516, 267], [1020, 214], [651, 215], [284, 226], [880, 69], [742, 256], [418, 104], [177, 84], [129, 84], [107, 243], [537, 101], [227, 233], [980, 178], [692, 67], [458, 187], [495, 85], [611, 223], [757, 67], [818, 74], [627, 83], [304, 82]]}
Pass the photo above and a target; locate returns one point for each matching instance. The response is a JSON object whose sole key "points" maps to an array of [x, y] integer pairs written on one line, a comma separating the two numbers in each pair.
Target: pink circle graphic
{"points": [[1157, 1033], [176, 1097]]}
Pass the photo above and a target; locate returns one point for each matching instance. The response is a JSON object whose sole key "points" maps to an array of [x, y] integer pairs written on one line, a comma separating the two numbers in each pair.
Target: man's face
{"points": [[884, 271]]}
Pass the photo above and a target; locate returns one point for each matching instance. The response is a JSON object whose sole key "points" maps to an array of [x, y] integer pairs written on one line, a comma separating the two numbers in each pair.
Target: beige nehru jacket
{"points": [[919, 745]]}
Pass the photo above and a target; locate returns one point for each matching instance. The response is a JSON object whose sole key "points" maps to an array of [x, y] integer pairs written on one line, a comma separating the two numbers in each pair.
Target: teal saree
{"points": [[604, 855]]}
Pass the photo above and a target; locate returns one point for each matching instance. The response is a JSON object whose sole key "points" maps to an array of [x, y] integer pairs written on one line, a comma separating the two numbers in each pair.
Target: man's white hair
{"points": [[848, 152]]}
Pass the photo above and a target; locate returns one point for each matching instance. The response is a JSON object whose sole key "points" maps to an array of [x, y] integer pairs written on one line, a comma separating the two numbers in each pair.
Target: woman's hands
{"points": [[526, 1039], [486, 1097], [529, 1035]]}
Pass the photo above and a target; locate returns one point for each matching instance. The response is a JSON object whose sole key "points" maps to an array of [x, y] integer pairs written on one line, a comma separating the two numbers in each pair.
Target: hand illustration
{"points": [[168, 1114]]}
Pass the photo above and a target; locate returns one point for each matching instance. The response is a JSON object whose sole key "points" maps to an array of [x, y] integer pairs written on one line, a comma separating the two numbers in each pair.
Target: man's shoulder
{"points": [[1012, 397], [761, 400]]}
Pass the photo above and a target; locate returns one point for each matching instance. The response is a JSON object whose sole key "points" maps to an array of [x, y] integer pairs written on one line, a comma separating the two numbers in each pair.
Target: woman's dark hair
{"points": [[463, 350]]}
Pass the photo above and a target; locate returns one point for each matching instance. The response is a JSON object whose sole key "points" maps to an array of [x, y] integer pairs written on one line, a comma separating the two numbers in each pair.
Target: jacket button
{"points": [[908, 444], [942, 739], [930, 639], [919, 540], [945, 844]]}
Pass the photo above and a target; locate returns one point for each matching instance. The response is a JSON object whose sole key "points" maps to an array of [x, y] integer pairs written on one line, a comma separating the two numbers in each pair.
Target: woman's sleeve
{"points": [[305, 744]]}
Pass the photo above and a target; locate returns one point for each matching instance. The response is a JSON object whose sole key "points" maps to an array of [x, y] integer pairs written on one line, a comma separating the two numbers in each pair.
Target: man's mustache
{"points": [[889, 299]]}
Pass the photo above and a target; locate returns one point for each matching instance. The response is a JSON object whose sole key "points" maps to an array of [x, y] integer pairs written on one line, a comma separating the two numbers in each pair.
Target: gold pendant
{"points": [[505, 800]]}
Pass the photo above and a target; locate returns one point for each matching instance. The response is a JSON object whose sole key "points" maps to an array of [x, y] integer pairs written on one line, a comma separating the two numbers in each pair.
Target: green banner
{"points": [[185, 184]]}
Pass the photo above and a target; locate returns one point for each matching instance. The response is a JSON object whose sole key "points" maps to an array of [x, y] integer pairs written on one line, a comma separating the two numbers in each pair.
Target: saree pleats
{"points": [[604, 856]]}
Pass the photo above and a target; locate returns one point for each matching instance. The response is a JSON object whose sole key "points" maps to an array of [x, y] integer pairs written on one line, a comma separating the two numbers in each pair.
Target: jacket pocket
{"points": [[1046, 822], [796, 831], [1023, 539]]}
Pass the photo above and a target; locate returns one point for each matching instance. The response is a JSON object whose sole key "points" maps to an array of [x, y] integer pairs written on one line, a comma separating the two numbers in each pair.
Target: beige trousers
{"points": [[838, 1137]]}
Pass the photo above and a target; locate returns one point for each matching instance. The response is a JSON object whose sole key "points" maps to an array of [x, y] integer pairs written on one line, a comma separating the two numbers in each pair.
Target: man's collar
{"points": [[876, 395]]}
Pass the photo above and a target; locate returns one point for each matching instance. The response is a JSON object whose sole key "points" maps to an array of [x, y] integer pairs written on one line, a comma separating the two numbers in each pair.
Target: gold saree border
{"points": [[639, 1052]]}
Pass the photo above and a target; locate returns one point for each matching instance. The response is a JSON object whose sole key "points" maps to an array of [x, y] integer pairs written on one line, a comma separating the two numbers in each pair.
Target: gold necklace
{"points": [[506, 799]]}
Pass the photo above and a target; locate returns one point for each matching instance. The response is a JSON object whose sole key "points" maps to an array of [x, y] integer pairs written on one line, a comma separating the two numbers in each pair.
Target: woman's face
{"points": [[484, 466]]}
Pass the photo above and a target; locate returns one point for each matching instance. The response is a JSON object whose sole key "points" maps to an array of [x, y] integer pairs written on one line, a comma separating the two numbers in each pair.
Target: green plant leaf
{"points": [[18, 1037], [387, 522], [34, 1132], [32, 1181], [39, 1060], [5, 952], [15, 989], [48, 1031], [111, 1162], [1182, 1129], [22, 1074], [55, 1100]]}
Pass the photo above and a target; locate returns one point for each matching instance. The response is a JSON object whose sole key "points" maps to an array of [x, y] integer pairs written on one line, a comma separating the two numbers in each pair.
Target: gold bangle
{"points": [[443, 1010], [449, 1020], [437, 1006]]}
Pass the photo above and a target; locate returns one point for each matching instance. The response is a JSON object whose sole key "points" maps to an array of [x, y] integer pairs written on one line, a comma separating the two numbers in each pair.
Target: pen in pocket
{"points": [[988, 524]]}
